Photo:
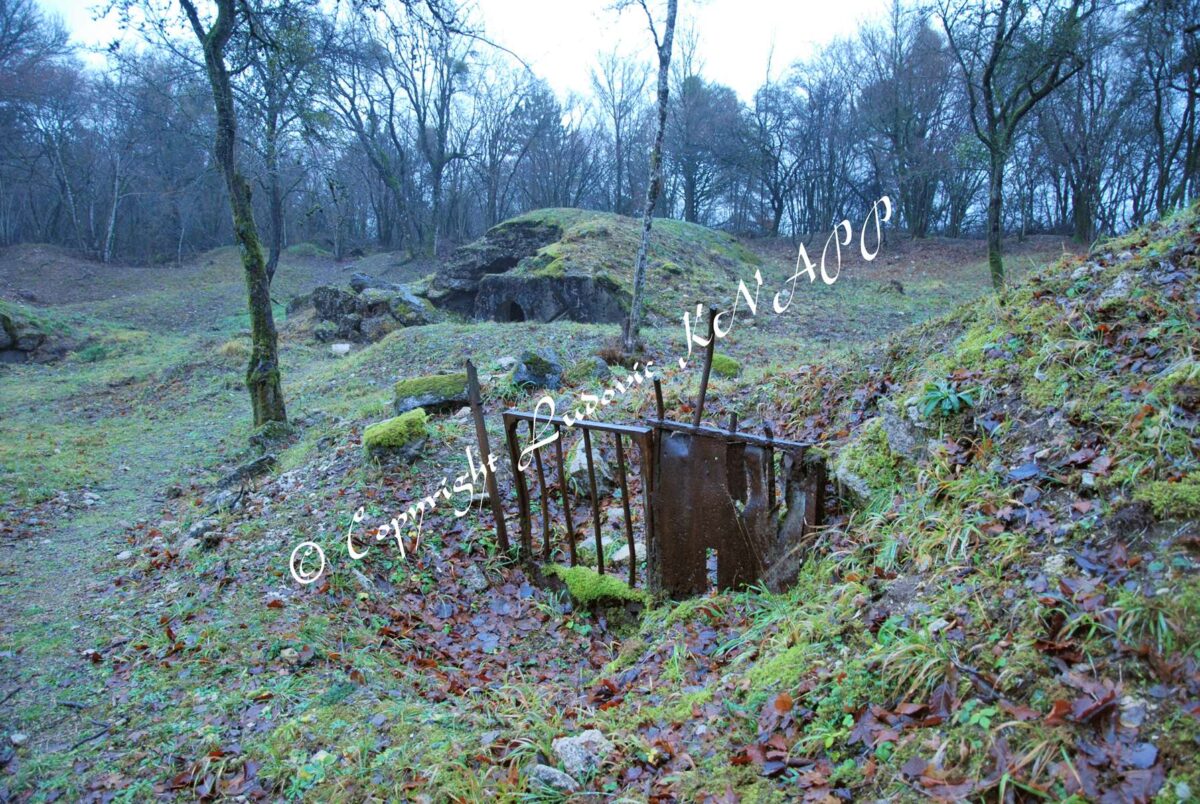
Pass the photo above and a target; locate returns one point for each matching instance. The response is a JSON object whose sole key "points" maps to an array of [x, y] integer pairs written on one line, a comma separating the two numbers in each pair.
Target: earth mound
{"points": [[577, 265]]}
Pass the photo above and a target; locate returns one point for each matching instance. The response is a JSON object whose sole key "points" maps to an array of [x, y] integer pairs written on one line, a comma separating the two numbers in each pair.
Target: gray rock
{"points": [[298, 303], [223, 499], [255, 468], [539, 369], [1118, 290], [539, 298], [340, 349], [377, 327], [474, 579], [553, 777], [477, 280], [125, 555], [201, 529], [434, 393], [333, 303], [360, 282], [374, 310], [582, 754], [907, 432], [602, 464], [590, 370]]}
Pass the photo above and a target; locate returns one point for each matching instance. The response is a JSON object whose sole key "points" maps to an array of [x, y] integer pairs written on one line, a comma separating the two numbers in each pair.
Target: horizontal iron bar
{"points": [[740, 436], [631, 430]]}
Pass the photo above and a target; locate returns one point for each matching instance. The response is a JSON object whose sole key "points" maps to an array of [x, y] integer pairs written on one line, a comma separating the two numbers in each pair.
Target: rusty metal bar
{"points": [[493, 491], [646, 448], [658, 401], [708, 359], [587, 446], [770, 467], [514, 453], [631, 430], [545, 498], [628, 515], [563, 483], [739, 438], [814, 499], [733, 422]]}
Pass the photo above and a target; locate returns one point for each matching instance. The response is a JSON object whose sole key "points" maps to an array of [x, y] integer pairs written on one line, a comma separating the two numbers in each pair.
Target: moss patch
{"points": [[433, 384], [588, 586], [725, 366], [396, 432], [1172, 500]]}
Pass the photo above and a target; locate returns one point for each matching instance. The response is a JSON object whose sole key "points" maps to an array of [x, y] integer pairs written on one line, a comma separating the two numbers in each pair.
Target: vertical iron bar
{"points": [[733, 421], [514, 453], [587, 446], [770, 469], [628, 515], [814, 498], [563, 482], [541, 475], [708, 359], [646, 446], [485, 455], [658, 402]]}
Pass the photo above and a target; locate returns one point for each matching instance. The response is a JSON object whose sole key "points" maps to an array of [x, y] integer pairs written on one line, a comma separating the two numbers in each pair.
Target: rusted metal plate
{"points": [[710, 495]]}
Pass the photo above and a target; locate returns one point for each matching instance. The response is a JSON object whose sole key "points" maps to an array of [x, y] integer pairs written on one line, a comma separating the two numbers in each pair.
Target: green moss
{"points": [[588, 586], [870, 458], [1172, 500], [433, 384], [396, 432], [306, 250], [782, 670], [725, 366]]}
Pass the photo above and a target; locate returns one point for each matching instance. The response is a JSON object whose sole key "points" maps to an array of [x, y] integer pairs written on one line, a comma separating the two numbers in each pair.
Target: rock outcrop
{"points": [[24, 340], [367, 312], [511, 274]]}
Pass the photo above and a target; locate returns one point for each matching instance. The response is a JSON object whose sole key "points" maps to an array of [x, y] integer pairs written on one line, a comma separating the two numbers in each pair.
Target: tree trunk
{"points": [[275, 206], [994, 216], [634, 321], [262, 375]]}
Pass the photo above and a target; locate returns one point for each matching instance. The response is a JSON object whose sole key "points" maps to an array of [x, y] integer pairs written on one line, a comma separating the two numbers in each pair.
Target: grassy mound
{"points": [[1015, 582], [688, 263]]}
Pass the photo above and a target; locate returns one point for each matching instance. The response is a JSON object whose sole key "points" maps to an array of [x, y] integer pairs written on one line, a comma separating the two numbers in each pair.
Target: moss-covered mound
{"points": [[590, 587], [578, 264], [1012, 580], [403, 434], [725, 366], [436, 393]]}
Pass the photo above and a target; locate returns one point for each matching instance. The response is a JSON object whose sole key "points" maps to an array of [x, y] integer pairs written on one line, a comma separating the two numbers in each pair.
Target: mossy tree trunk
{"points": [[262, 375], [995, 213], [663, 46], [1012, 56]]}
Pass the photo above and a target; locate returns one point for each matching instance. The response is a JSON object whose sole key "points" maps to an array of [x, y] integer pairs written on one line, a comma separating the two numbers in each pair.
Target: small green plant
{"points": [[946, 397]]}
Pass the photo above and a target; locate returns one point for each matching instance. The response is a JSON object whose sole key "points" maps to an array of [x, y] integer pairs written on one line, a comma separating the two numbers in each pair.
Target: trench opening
{"points": [[509, 311]]}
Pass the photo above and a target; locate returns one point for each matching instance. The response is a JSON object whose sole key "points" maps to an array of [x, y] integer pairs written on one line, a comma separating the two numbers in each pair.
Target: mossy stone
{"points": [[590, 587], [725, 366], [436, 393], [403, 435], [1172, 500]]}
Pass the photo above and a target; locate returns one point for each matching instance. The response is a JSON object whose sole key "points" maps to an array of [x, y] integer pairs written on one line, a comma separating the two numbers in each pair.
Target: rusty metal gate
{"points": [[704, 491]]}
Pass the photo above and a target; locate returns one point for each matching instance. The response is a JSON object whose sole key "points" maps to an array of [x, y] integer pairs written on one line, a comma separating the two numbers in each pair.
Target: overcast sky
{"points": [[560, 38]]}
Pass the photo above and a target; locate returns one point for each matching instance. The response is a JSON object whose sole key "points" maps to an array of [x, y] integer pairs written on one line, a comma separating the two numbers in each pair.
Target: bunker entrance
{"points": [[681, 498], [509, 312]]}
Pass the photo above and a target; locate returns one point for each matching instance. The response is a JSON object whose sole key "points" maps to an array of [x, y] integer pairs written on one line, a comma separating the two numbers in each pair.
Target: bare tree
{"points": [[619, 83], [1012, 54], [262, 376], [662, 46]]}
